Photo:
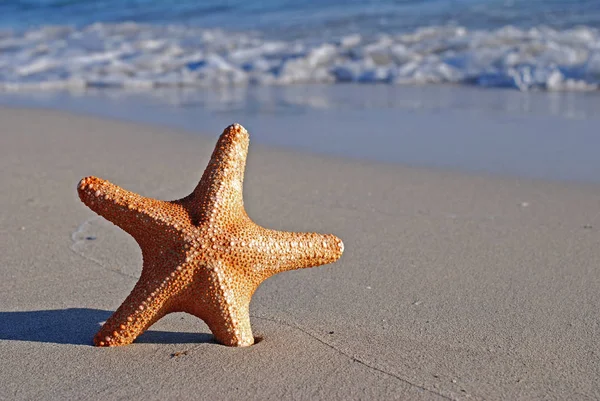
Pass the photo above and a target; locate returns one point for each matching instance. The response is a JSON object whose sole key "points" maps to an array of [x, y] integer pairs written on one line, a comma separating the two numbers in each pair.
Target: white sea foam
{"points": [[130, 55]]}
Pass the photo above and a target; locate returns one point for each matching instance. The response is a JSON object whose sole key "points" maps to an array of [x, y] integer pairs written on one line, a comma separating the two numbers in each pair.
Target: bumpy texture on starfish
{"points": [[201, 254]]}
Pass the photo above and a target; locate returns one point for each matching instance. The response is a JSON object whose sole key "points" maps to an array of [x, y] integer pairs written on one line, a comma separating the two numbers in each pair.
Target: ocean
{"points": [[548, 45], [505, 87]]}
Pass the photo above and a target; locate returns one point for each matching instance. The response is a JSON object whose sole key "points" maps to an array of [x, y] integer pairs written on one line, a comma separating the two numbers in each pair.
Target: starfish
{"points": [[201, 254]]}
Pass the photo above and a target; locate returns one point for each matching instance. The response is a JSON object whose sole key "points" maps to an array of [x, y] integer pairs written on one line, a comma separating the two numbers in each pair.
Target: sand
{"points": [[452, 285]]}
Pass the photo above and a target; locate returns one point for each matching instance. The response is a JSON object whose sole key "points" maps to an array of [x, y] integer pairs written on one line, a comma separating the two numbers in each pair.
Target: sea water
{"points": [[146, 45], [507, 87]]}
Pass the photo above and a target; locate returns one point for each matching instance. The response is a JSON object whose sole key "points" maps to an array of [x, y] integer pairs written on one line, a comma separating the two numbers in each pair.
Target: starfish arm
{"points": [[278, 251], [154, 295], [131, 319], [302, 250], [222, 301], [232, 328], [134, 213], [220, 188]]}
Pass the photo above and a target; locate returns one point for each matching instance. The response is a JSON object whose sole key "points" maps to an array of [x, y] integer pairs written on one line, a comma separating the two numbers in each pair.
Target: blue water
{"points": [[549, 45], [431, 68], [306, 18]]}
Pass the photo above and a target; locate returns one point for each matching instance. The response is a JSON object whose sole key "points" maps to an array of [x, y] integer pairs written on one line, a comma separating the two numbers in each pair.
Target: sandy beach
{"points": [[452, 285]]}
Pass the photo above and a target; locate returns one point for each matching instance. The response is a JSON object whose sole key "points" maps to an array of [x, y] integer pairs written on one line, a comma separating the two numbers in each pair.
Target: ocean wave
{"points": [[143, 57]]}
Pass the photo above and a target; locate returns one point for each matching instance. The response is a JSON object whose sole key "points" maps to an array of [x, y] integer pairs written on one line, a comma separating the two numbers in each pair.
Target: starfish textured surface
{"points": [[201, 254]]}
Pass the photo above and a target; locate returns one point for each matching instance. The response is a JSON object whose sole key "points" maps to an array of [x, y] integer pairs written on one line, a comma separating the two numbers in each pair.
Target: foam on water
{"points": [[143, 57]]}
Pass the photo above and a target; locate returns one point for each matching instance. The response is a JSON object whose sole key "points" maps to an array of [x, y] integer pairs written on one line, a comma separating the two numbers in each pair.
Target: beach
{"points": [[451, 144], [454, 284]]}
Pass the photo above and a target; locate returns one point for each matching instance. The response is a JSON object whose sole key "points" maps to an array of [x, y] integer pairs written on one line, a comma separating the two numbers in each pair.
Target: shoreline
{"points": [[468, 130], [166, 130]]}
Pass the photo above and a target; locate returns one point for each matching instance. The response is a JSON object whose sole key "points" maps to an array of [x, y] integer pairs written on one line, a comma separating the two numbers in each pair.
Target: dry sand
{"points": [[452, 286]]}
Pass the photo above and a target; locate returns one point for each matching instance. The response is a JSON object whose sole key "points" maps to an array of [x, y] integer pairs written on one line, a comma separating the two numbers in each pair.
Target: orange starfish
{"points": [[201, 254]]}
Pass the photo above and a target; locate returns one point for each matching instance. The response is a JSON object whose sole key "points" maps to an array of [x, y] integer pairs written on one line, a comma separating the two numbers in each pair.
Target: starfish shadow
{"points": [[77, 326]]}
